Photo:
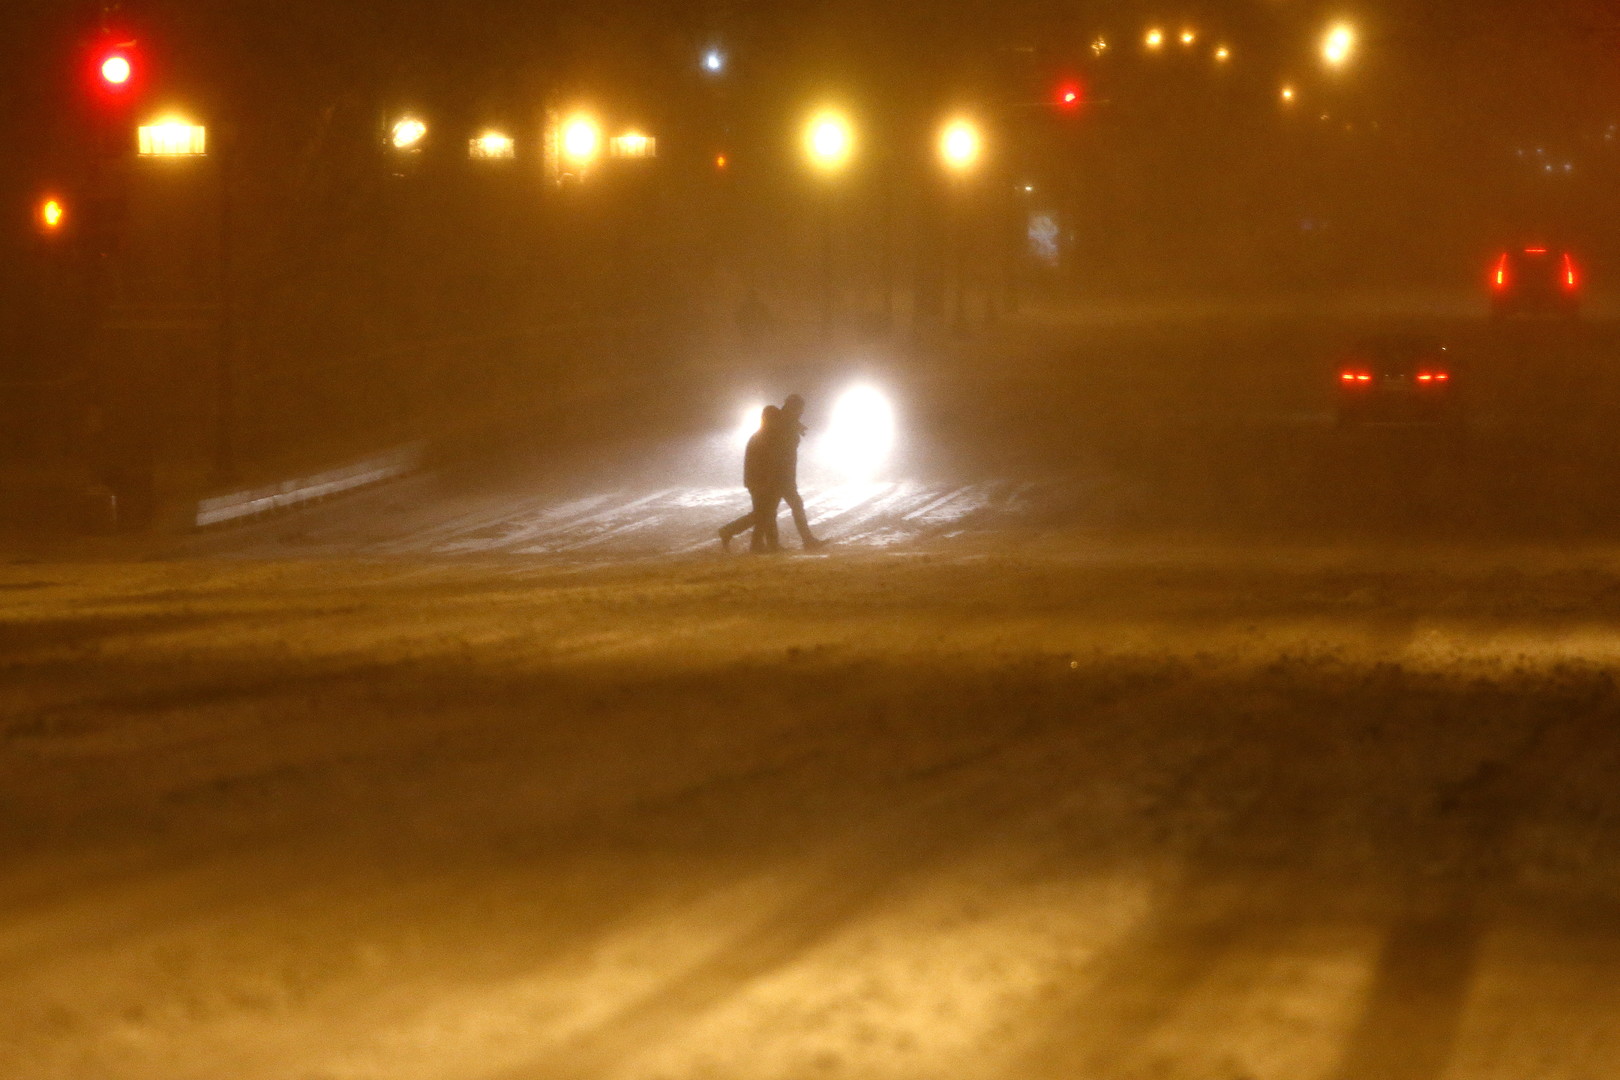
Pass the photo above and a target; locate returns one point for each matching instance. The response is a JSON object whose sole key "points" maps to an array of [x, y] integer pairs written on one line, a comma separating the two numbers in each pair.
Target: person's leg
{"points": [[801, 521], [757, 521], [766, 523], [732, 528]]}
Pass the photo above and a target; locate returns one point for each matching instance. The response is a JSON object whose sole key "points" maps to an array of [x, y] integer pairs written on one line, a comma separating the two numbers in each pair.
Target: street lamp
{"points": [[1188, 37], [172, 137], [581, 141], [633, 144], [1287, 95], [714, 62], [52, 214], [960, 145], [829, 141], [1222, 54], [1337, 46], [1155, 38], [407, 134]]}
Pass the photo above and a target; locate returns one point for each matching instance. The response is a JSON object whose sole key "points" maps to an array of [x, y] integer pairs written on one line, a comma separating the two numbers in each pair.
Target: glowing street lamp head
{"points": [[1287, 95], [172, 137], [1189, 36], [1155, 38], [960, 145], [829, 141], [1337, 46], [1223, 54], [714, 61], [407, 134], [52, 214], [581, 140]]}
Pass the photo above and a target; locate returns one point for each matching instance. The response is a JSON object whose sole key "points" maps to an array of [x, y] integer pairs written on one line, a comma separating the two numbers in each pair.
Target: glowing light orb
{"points": [[581, 140], [960, 145], [1338, 44], [52, 213], [829, 141], [408, 134]]}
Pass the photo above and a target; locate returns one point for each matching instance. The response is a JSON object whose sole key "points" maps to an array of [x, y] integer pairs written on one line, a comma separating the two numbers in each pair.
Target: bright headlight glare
{"points": [[860, 434]]}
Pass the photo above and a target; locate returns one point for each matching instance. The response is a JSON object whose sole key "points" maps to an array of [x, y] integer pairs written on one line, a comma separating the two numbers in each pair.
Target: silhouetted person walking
{"points": [[762, 477], [793, 430]]}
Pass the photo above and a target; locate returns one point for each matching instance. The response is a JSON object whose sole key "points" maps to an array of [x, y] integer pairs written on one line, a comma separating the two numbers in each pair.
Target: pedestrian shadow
{"points": [[1408, 1027]]}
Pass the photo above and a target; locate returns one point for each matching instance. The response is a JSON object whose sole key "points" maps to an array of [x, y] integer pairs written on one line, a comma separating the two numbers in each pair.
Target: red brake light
{"points": [[1535, 251], [1425, 377], [1441, 376]]}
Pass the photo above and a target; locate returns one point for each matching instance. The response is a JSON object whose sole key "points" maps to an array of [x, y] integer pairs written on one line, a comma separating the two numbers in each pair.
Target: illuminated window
{"points": [[633, 146], [173, 138], [492, 146]]}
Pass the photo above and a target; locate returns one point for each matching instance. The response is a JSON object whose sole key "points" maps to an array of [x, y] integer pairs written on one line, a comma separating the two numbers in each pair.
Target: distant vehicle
{"points": [[1535, 281], [1397, 379]]}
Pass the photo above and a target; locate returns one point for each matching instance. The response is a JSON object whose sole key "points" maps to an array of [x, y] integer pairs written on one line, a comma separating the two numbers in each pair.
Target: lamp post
{"points": [[1338, 45], [178, 139], [829, 143], [961, 145]]}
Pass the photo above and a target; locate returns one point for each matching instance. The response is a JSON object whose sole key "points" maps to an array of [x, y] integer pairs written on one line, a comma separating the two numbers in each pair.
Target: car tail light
{"points": [[1355, 376]]}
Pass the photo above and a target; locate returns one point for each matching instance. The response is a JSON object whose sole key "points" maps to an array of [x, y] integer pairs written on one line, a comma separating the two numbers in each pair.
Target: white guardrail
{"points": [[289, 493]]}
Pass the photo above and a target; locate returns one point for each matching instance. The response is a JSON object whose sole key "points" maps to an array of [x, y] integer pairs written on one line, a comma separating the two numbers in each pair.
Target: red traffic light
{"points": [[116, 70], [1068, 95]]}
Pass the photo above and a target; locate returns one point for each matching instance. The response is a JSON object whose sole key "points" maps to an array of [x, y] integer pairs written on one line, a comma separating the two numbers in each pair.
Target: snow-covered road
{"points": [[1005, 806]]}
